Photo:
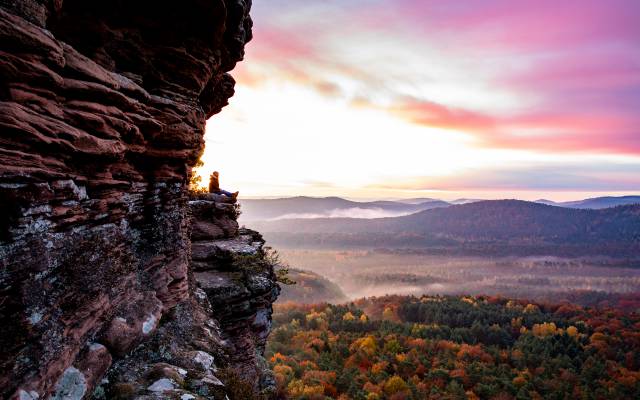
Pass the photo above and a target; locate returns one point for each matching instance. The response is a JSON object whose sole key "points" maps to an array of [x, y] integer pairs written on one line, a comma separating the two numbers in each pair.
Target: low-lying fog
{"points": [[356, 212], [371, 273]]}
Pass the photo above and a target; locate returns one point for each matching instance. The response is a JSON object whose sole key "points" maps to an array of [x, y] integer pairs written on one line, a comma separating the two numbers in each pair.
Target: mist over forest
{"points": [[365, 273], [475, 300], [578, 251]]}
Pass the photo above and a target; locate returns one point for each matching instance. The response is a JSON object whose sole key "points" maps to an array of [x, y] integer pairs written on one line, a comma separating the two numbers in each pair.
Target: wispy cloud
{"points": [[577, 63], [596, 177]]}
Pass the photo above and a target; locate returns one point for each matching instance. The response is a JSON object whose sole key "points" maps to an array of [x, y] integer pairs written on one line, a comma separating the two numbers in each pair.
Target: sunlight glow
{"points": [[309, 138], [448, 100]]}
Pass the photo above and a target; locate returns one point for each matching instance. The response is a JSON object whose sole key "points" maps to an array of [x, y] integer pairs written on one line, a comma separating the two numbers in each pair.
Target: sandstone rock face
{"points": [[102, 112], [239, 281], [220, 330]]}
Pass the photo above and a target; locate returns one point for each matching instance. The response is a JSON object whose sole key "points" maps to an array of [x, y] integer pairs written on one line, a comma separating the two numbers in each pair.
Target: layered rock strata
{"points": [[211, 345], [102, 112], [237, 276]]}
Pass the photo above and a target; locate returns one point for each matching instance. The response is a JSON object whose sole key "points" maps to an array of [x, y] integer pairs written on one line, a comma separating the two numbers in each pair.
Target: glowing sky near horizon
{"points": [[408, 98]]}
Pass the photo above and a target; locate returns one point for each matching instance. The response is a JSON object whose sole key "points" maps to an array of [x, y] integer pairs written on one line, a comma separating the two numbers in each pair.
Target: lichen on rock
{"points": [[71, 386]]}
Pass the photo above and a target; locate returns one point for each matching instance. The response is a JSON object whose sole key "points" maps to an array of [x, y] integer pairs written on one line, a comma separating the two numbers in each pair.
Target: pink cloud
{"points": [[526, 25], [580, 60], [550, 131], [279, 43], [598, 177], [611, 70], [428, 113]]}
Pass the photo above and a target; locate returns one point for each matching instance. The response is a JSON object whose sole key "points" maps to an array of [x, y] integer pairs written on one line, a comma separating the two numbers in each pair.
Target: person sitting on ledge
{"points": [[214, 186]]}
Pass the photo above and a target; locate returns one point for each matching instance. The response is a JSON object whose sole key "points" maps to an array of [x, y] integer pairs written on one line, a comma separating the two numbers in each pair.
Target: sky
{"points": [[423, 98]]}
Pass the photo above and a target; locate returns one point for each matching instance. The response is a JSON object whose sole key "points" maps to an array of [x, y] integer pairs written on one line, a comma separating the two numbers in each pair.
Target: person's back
{"points": [[214, 186], [214, 183]]}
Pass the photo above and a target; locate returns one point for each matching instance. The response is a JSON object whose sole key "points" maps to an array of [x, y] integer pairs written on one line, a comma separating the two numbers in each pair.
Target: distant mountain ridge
{"points": [[595, 203], [302, 207], [499, 224], [329, 207]]}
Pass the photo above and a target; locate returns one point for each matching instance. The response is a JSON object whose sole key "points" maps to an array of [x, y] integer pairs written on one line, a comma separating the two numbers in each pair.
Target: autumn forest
{"points": [[445, 347]]}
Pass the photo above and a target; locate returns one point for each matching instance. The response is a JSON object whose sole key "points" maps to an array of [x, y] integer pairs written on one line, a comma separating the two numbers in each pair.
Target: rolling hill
{"points": [[303, 207], [310, 288]]}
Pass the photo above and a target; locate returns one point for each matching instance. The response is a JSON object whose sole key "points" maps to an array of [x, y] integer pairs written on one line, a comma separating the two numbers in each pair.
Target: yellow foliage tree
{"points": [[295, 388], [348, 316], [284, 370], [313, 390], [366, 344], [394, 385], [318, 319], [545, 329]]}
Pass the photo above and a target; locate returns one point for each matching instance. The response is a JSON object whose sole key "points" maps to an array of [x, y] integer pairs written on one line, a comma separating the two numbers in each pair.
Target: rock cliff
{"points": [[102, 112]]}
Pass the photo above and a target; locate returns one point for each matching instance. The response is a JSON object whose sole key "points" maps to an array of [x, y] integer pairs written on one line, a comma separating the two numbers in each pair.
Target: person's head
{"points": [[215, 173]]}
